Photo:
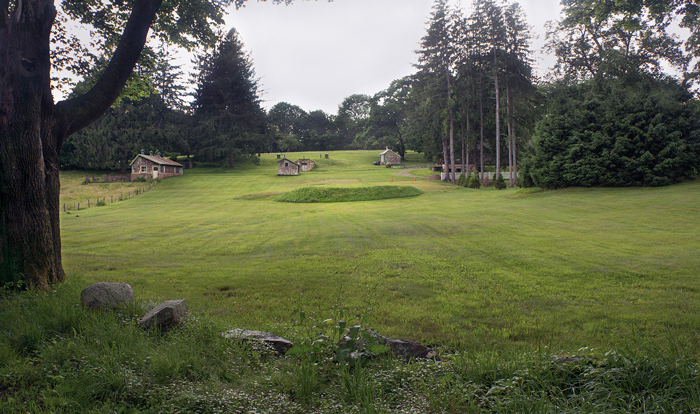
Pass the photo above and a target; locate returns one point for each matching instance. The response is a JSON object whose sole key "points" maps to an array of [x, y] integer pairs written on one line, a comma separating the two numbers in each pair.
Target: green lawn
{"points": [[471, 269]]}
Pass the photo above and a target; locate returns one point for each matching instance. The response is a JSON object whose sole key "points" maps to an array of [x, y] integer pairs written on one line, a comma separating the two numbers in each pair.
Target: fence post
{"points": [[78, 205], [88, 203], [111, 199], [64, 207]]}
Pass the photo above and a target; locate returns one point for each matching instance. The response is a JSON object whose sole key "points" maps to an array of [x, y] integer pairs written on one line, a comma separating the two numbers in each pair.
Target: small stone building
{"points": [[306, 164], [389, 156], [154, 166], [288, 167]]}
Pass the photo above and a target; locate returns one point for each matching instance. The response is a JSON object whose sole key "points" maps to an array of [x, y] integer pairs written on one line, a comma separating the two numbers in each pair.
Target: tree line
{"points": [[473, 103]]}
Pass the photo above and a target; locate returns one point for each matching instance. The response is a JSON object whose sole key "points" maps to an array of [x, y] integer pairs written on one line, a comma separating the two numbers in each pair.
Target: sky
{"points": [[314, 54]]}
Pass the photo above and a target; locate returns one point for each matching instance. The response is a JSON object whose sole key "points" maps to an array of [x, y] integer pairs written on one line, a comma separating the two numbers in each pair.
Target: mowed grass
{"points": [[460, 268]]}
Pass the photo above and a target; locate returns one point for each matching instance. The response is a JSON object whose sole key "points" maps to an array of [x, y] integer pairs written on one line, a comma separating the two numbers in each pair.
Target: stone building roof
{"points": [[157, 160]]}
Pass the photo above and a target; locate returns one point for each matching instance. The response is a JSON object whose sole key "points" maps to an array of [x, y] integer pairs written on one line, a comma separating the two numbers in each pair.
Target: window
{"points": [[155, 168], [143, 168], [286, 164]]}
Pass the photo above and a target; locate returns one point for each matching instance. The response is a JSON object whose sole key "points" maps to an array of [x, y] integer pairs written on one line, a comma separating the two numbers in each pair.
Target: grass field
{"points": [[456, 268]]}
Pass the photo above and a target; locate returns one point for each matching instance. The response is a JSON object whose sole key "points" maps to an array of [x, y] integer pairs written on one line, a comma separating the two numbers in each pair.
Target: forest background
{"points": [[473, 99]]}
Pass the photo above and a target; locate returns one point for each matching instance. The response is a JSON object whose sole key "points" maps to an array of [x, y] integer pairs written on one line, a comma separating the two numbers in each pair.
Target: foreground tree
{"points": [[33, 128]]}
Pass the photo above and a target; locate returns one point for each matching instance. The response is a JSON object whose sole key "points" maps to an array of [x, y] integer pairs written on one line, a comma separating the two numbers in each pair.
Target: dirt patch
{"points": [[434, 177]]}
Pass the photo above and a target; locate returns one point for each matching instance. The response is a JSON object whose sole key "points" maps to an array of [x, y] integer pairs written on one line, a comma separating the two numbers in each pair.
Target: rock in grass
{"points": [[106, 296], [280, 344], [408, 349], [165, 315]]}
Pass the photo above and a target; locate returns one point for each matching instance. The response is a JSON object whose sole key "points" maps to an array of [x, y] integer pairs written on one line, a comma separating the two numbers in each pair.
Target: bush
{"points": [[140, 180], [462, 181], [332, 195], [633, 131], [474, 181], [500, 183], [101, 203], [388, 165]]}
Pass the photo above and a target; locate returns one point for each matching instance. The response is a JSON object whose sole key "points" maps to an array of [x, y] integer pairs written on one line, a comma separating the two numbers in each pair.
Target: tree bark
{"points": [[510, 133], [498, 113], [33, 129], [481, 116], [452, 135]]}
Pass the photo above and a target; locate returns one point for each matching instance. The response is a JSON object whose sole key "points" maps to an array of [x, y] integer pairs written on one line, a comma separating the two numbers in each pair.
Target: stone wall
{"points": [[310, 164], [392, 158], [287, 167]]}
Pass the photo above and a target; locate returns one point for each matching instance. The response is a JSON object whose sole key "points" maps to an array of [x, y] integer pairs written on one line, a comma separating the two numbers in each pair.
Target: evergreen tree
{"points": [[436, 59], [230, 121], [633, 131]]}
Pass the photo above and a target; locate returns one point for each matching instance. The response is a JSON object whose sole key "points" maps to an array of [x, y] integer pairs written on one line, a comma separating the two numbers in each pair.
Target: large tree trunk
{"points": [[30, 251], [33, 129], [481, 121], [498, 114], [452, 135], [510, 133]]}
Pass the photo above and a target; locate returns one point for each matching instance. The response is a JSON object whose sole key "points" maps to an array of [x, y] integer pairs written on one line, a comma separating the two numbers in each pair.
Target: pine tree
{"points": [[435, 61], [230, 121]]}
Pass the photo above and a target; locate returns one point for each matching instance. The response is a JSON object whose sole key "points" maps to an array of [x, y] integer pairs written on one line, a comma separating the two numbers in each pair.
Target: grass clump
{"points": [[336, 195]]}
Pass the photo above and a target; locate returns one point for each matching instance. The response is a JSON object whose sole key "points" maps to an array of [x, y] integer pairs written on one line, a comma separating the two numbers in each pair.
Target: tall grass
{"points": [[56, 357]]}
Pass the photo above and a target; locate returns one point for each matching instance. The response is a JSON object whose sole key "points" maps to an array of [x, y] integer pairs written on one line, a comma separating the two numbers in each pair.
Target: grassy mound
{"points": [[337, 195]]}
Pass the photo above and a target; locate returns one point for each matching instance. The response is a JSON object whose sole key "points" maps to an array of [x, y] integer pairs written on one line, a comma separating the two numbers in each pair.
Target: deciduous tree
{"points": [[33, 128]]}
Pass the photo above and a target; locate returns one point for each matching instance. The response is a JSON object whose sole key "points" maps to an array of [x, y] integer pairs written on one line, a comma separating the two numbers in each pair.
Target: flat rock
{"points": [[280, 344], [106, 295], [409, 349], [399, 347], [165, 314]]}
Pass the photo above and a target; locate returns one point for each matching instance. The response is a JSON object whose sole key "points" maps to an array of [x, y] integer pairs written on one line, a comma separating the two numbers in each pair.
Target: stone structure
{"points": [[280, 344], [106, 295], [154, 166], [165, 315], [286, 166], [306, 164], [388, 155]]}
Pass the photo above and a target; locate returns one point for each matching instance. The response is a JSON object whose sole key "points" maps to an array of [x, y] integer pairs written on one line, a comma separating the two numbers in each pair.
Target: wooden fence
{"points": [[103, 201]]}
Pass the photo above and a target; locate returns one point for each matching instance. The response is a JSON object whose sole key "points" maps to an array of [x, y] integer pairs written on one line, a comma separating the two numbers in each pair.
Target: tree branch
{"points": [[77, 113]]}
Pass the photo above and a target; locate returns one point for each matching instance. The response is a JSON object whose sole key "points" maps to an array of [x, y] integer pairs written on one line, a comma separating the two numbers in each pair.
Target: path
{"points": [[405, 171]]}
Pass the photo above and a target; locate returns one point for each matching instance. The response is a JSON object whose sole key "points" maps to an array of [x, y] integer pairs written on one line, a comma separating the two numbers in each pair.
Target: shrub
{"points": [[500, 183], [462, 181], [474, 181], [101, 203], [140, 180], [388, 165]]}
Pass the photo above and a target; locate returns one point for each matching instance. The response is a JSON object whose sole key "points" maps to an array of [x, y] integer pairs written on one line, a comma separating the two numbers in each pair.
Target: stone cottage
{"points": [[389, 156], [306, 164], [287, 167], [154, 166]]}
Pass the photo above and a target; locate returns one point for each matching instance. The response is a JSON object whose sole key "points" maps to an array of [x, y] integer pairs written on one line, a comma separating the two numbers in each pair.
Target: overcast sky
{"points": [[314, 53]]}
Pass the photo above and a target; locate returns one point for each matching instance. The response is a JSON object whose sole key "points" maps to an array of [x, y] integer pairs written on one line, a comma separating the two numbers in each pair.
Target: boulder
{"points": [[280, 344], [165, 315], [399, 347], [106, 296], [408, 349]]}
